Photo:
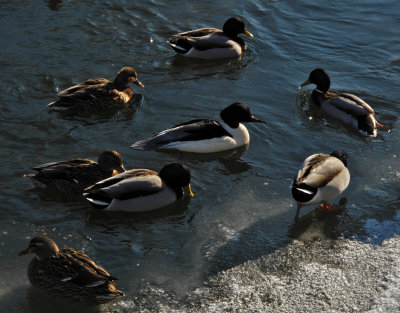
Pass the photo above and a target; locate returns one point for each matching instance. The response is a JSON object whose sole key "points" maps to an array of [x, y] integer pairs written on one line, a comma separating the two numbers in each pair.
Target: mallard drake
{"points": [[348, 108], [203, 135], [141, 190], [321, 178], [68, 273], [212, 43], [98, 93], [73, 176]]}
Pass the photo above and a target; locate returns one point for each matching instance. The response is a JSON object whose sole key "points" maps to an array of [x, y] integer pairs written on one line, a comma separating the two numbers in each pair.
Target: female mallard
{"points": [[73, 176], [203, 135], [98, 93], [141, 190], [321, 178], [348, 108], [212, 43], [68, 273]]}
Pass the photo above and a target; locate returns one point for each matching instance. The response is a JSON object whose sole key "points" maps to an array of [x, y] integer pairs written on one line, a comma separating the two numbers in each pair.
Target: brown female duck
{"points": [[98, 93], [73, 176], [68, 273]]}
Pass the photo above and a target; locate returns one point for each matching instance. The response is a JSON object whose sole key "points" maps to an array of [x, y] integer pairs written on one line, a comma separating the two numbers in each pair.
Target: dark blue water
{"points": [[243, 207]]}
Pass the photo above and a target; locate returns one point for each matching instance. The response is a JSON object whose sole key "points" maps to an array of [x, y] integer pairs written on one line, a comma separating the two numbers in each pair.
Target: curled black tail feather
{"points": [[303, 192], [180, 45]]}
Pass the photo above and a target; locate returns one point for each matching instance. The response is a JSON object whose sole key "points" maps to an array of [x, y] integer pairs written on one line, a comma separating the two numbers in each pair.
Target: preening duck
{"points": [[321, 178], [212, 43], [68, 273], [98, 93], [348, 108], [141, 190], [204, 135], [73, 176]]}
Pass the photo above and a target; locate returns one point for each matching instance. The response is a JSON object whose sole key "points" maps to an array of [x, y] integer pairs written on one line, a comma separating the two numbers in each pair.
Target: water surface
{"points": [[243, 207]]}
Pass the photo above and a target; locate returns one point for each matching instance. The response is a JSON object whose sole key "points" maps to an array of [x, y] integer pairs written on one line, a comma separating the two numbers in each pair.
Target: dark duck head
{"points": [[177, 177], [341, 155], [126, 76], [235, 26], [110, 161], [236, 113], [320, 78], [42, 247]]}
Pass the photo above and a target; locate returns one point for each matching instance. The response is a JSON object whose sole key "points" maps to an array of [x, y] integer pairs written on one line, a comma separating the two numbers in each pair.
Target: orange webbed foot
{"points": [[326, 207]]}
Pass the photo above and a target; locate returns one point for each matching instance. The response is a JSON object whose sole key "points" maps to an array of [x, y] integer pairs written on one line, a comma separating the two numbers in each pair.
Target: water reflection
{"points": [[182, 68], [107, 220], [54, 5], [318, 224]]}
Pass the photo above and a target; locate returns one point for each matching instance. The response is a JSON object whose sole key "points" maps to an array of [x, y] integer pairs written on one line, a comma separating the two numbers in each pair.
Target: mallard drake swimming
{"points": [[203, 135], [212, 43], [321, 178], [98, 93], [348, 108], [73, 176], [68, 273], [141, 190]]}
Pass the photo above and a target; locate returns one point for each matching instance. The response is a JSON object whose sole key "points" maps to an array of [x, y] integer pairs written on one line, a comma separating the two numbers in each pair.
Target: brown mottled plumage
{"points": [[73, 176], [98, 93], [68, 273]]}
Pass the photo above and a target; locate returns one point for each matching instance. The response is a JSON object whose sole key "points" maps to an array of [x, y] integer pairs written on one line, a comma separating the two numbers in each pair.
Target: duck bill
{"points": [[246, 32], [307, 82], [121, 169], [25, 252], [139, 83], [257, 120], [188, 191]]}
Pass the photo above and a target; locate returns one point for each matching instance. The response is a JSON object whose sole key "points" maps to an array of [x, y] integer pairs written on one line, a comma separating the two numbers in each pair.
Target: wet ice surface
{"points": [[313, 273]]}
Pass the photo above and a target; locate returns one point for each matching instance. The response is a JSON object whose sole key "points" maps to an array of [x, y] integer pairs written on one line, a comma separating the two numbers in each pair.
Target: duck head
{"points": [[42, 247], [238, 112], [177, 176], [320, 78], [235, 26], [110, 161], [126, 76], [341, 155]]}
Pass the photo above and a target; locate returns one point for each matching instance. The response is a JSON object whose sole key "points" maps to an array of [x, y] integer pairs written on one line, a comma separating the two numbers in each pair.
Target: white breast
{"points": [[240, 137]]}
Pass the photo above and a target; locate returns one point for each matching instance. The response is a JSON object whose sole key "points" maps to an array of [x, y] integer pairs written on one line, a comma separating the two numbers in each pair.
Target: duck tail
{"points": [[180, 45], [303, 192], [98, 199], [146, 144]]}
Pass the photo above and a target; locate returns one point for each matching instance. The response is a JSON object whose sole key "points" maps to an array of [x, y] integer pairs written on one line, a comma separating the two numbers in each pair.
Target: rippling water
{"points": [[243, 207]]}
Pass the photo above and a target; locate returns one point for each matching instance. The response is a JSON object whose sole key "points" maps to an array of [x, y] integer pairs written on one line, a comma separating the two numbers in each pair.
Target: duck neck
{"points": [[120, 84], [232, 124]]}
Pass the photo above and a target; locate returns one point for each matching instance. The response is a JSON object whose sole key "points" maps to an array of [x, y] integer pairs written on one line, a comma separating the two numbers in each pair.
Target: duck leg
{"points": [[296, 218]]}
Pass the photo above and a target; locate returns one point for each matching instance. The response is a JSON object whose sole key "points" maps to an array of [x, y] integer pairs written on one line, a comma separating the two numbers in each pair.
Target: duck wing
{"points": [[127, 185], [77, 172], [351, 104], [193, 130], [90, 89], [62, 165], [75, 267], [200, 39], [318, 170]]}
